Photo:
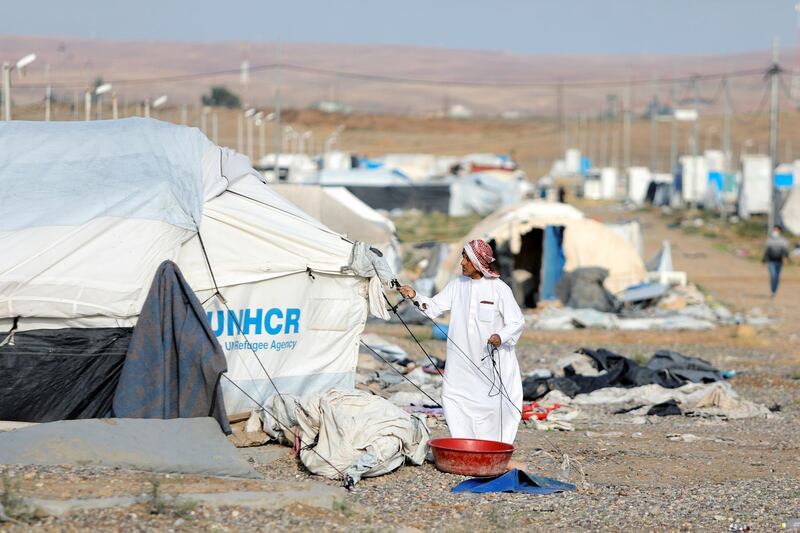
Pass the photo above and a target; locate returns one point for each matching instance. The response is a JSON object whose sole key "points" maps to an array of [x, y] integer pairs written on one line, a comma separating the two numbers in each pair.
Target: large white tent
{"points": [[90, 210]]}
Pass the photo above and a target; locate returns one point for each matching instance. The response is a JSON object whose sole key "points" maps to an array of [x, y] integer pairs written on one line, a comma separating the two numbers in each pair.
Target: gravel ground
{"points": [[628, 473]]}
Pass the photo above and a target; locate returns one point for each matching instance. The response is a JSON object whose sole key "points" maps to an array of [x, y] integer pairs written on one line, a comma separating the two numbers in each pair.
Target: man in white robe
{"points": [[482, 389]]}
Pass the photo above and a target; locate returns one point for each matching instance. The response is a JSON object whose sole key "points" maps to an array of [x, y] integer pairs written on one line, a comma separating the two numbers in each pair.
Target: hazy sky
{"points": [[525, 26]]}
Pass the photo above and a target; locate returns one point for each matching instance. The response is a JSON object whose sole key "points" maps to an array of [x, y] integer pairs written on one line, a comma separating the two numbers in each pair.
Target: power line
{"points": [[400, 80]]}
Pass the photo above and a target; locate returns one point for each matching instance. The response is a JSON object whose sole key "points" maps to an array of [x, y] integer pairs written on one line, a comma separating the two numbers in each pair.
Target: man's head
{"points": [[476, 258], [776, 231], [468, 269]]}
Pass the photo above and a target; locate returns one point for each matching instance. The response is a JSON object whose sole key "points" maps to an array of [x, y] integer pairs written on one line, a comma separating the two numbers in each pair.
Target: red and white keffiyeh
{"points": [[480, 255]]}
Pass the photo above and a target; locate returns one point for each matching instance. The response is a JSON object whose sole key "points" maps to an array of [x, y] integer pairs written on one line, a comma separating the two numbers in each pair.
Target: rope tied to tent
{"points": [[437, 404], [461, 352], [9, 340], [347, 481]]}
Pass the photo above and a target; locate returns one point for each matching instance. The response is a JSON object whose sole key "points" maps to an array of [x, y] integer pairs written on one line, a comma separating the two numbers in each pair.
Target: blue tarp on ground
{"points": [[553, 261], [514, 481]]}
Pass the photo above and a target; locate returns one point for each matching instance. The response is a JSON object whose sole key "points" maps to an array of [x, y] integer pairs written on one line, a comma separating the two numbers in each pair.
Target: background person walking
{"points": [[776, 251]]}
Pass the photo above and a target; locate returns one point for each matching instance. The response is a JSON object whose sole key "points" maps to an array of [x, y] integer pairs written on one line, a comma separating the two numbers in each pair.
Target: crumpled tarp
{"points": [[665, 368], [174, 362], [357, 433], [583, 288], [716, 400], [514, 481], [369, 262], [692, 318]]}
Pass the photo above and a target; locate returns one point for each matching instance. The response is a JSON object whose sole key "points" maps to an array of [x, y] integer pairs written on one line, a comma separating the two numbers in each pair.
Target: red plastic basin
{"points": [[471, 457]]}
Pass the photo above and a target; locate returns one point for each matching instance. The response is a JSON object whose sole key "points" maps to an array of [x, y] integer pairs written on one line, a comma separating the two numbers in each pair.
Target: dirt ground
{"points": [[631, 473]]}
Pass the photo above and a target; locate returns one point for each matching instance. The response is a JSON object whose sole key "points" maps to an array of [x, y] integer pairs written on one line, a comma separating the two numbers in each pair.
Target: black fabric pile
{"points": [[583, 288], [666, 368]]}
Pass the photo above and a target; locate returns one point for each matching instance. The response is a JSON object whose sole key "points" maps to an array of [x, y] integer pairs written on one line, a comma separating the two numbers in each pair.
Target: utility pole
{"points": [[87, 105], [726, 127], [626, 129], [6, 91], [604, 141], [774, 72], [695, 145], [673, 143], [277, 123], [215, 127], [240, 130], [48, 94], [654, 127], [560, 114]]}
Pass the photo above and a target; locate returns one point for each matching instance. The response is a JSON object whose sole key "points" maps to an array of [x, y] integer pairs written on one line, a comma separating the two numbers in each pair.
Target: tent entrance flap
{"points": [[521, 271], [534, 272], [553, 261]]}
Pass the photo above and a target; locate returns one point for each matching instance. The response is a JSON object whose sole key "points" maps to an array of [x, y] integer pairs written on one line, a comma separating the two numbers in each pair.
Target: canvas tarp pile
{"points": [[90, 209], [355, 432]]}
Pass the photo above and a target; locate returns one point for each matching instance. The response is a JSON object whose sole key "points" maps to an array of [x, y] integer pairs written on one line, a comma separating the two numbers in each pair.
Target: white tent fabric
{"points": [[290, 295], [482, 194], [586, 242], [790, 214], [631, 231], [418, 167], [342, 211], [85, 219]]}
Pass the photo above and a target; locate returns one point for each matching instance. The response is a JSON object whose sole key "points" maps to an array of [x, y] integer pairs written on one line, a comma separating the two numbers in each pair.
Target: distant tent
{"points": [[90, 210], [340, 210], [482, 194], [521, 235]]}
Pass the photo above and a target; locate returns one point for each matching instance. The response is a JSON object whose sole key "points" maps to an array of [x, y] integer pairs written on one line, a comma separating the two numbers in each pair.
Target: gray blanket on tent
{"points": [[174, 362]]}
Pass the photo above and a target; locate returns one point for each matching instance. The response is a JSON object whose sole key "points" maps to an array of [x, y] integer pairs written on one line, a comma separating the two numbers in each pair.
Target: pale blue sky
{"points": [[524, 26]]}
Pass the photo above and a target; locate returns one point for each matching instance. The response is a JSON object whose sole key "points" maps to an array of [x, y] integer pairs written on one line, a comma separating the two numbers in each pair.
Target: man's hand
{"points": [[495, 341], [407, 291]]}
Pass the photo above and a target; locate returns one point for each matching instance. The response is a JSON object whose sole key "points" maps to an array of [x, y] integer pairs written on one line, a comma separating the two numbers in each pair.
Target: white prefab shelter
{"points": [[755, 188], [586, 242], [572, 161], [608, 183], [639, 179], [694, 178], [90, 210]]}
